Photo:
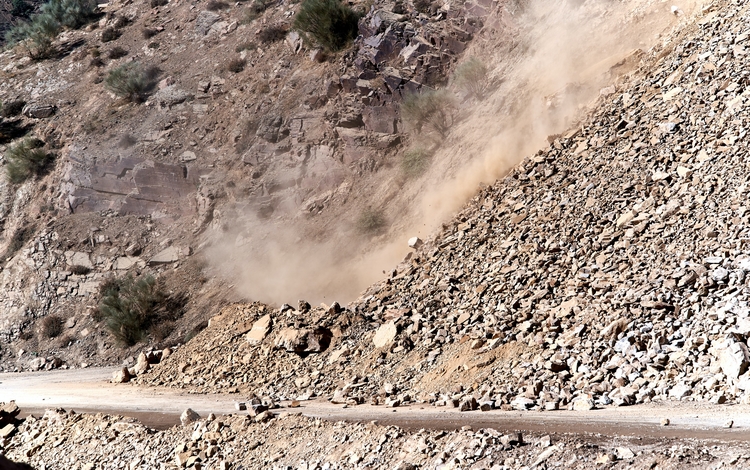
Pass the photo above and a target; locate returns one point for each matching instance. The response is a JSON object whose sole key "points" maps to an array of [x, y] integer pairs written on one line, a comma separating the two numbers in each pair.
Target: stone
{"points": [[204, 21], [142, 364], [303, 340], [729, 424], [264, 417], [121, 376], [171, 96], [583, 404], [415, 242], [189, 416], [39, 111], [260, 330], [165, 256], [522, 403], [385, 335], [733, 360], [240, 406], [624, 453], [664, 422]]}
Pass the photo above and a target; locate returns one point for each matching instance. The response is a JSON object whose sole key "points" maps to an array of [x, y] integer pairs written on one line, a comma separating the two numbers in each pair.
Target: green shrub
{"points": [[371, 221], [129, 307], [21, 9], [110, 34], [128, 81], [415, 162], [38, 33], [432, 110], [26, 159], [52, 326], [330, 23], [471, 77], [253, 12], [117, 52]]}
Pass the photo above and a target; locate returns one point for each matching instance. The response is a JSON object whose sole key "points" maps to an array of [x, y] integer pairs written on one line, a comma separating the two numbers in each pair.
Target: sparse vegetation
{"points": [[80, 270], [37, 34], [128, 81], [270, 34], [129, 307], [423, 6], [52, 326], [432, 110], [254, 11], [472, 78], [17, 241], [236, 65], [329, 23], [370, 221], [110, 34], [21, 8], [415, 162], [215, 5], [12, 108], [117, 52], [148, 33], [158, 3], [245, 46], [26, 159]]}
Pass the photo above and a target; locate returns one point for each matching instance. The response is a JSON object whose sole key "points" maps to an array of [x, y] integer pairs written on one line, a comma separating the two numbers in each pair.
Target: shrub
{"points": [[96, 62], [12, 108], [423, 6], [471, 77], [254, 11], [195, 330], [236, 65], [21, 9], [38, 33], [128, 81], [432, 110], [117, 52], [129, 307], [272, 34], [158, 3], [80, 270], [26, 159], [245, 46], [214, 5], [110, 34], [415, 162], [17, 241], [148, 33], [330, 23], [370, 221], [52, 326]]}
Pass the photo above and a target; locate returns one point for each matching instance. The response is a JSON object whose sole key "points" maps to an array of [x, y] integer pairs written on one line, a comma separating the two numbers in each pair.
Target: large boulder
{"points": [[304, 340]]}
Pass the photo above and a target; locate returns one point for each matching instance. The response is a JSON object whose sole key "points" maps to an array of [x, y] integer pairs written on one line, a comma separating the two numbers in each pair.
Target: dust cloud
{"points": [[559, 56]]}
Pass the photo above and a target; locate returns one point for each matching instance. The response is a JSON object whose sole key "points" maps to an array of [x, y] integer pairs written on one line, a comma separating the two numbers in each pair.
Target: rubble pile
{"points": [[610, 268], [61, 439]]}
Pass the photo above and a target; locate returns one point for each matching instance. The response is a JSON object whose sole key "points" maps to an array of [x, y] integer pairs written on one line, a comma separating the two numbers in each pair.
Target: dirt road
{"points": [[88, 390]]}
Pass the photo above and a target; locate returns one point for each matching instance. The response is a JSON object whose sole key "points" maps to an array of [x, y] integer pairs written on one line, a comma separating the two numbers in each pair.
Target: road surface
{"points": [[89, 391]]}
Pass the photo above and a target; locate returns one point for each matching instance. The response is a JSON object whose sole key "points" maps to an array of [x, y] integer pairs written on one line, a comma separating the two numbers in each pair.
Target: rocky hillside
{"points": [[246, 128], [609, 268]]}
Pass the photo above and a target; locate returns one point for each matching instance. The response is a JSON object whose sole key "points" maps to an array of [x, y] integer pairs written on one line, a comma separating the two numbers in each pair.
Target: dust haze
{"points": [[550, 66]]}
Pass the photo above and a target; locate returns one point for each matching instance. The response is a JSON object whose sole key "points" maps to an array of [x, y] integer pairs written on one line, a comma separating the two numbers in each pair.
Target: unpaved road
{"points": [[88, 390]]}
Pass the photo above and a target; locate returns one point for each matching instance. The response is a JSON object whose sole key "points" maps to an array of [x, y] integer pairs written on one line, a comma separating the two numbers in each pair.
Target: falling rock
{"points": [[623, 453], [141, 364], [733, 360], [664, 422], [121, 376], [189, 416], [39, 111], [415, 242], [385, 335], [259, 330]]}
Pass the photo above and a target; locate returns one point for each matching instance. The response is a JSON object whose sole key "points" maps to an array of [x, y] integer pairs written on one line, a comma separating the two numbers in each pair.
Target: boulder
{"points": [[385, 335], [189, 416], [39, 111], [121, 376], [305, 340], [259, 330]]}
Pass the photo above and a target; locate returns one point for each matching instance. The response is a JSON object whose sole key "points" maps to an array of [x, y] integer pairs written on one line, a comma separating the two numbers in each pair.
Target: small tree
{"points": [[471, 77], [430, 110], [129, 307], [330, 23]]}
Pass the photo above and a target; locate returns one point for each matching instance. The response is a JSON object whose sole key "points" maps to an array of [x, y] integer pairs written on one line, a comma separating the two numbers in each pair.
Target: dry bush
{"points": [[270, 34], [371, 221], [110, 34], [472, 77], [330, 23], [158, 3], [117, 52], [433, 110], [12, 108], [52, 326], [215, 5], [415, 162], [130, 81], [236, 65], [245, 46], [148, 33], [80, 270]]}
